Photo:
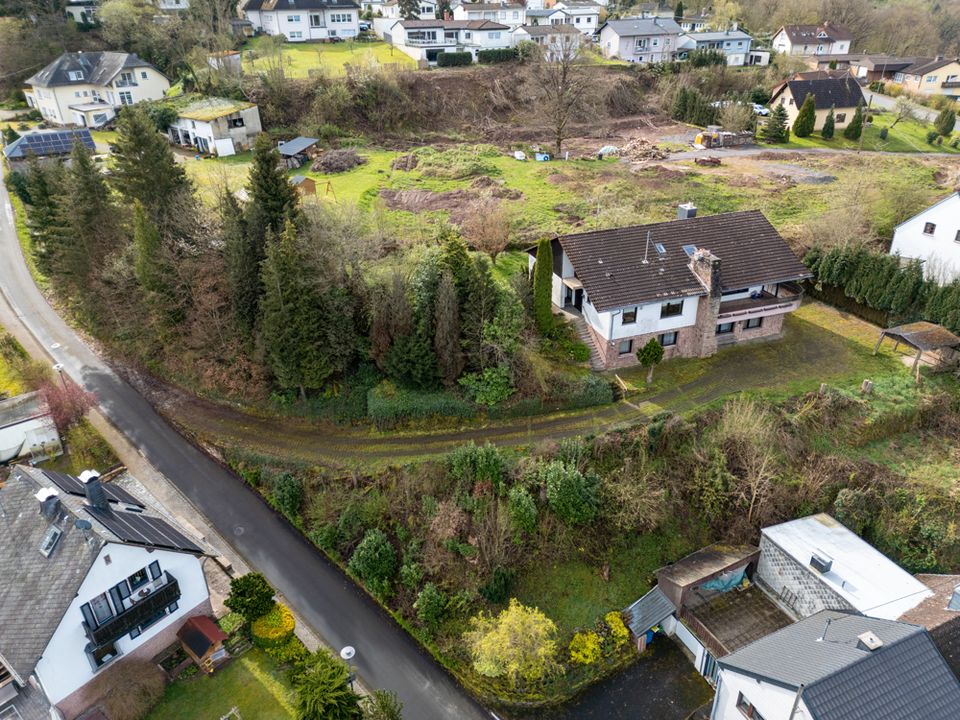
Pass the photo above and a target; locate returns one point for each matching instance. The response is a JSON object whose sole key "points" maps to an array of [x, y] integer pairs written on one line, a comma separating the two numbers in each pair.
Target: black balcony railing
{"points": [[139, 613]]}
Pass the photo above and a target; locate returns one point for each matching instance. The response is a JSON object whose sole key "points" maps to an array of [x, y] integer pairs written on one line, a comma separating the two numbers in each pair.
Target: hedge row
{"points": [[451, 59], [389, 405], [497, 55]]}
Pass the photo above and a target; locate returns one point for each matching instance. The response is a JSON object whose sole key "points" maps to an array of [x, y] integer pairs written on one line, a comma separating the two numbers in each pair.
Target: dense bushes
{"points": [[250, 596], [885, 282], [571, 494], [497, 55], [389, 405], [374, 562], [691, 106], [453, 59], [273, 629]]}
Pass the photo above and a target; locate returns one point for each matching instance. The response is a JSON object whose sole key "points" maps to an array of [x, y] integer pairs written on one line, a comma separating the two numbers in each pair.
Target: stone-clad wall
{"points": [[798, 587]]}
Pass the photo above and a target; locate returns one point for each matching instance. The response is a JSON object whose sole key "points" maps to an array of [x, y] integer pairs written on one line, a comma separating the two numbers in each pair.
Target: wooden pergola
{"points": [[923, 337]]}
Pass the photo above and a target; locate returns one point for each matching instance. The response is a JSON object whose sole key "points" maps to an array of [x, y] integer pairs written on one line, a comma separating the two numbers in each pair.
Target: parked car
{"points": [[760, 109], [364, 26]]}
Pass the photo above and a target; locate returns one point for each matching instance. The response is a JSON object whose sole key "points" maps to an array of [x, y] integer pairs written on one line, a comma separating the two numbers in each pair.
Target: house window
{"points": [[236, 123], [126, 98], [100, 656], [957, 238], [625, 347], [143, 74], [293, 18], [747, 708], [295, 35], [340, 18], [316, 21], [929, 228], [931, 78], [577, 20], [671, 309], [138, 578], [724, 328], [841, 117], [629, 316], [154, 570], [753, 323], [494, 36], [100, 607], [467, 34], [75, 75], [667, 339]]}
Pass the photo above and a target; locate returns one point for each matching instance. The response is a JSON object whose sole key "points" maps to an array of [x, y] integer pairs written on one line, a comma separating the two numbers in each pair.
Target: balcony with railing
{"points": [[950, 84], [141, 607], [787, 298], [125, 83]]}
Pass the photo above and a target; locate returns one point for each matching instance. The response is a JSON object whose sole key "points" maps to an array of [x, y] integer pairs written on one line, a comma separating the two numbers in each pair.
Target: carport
{"points": [[925, 337]]}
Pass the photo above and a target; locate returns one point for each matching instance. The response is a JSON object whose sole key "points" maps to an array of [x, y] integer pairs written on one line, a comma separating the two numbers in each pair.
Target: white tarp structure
{"points": [[224, 147]]}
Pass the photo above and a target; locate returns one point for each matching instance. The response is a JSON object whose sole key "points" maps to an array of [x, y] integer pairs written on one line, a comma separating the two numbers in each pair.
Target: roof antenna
{"points": [[647, 249]]}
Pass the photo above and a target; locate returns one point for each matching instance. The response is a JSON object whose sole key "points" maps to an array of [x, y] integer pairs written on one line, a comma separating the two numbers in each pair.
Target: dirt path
{"points": [[811, 351]]}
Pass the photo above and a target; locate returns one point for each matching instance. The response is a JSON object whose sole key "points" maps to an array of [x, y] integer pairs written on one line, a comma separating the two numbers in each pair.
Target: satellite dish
{"points": [[82, 524]]}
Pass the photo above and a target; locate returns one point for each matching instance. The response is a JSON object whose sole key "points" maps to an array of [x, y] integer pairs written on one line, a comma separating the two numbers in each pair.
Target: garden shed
{"points": [[935, 341], [202, 640]]}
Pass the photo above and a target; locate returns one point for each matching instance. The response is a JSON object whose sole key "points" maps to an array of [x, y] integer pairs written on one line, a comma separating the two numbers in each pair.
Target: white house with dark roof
{"points": [[93, 574], [838, 666], [640, 40], [427, 39], [734, 44], [302, 20], [693, 284], [933, 237], [584, 16], [556, 41], [77, 86], [824, 39]]}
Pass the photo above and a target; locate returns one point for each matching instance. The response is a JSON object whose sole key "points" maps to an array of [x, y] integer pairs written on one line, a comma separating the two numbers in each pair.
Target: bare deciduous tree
{"points": [[487, 226], [904, 110], [560, 76]]}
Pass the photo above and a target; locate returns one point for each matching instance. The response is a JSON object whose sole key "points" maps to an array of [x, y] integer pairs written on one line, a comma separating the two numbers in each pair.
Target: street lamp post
{"points": [[347, 655], [59, 368]]}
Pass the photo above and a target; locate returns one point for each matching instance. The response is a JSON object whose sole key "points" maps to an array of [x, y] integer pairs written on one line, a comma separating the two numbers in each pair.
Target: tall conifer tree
{"points": [[543, 287], [446, 339], [806, 118]]}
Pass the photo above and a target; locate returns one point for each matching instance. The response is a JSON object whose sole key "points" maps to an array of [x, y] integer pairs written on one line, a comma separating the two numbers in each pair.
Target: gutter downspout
{"points": [[796, 702]]}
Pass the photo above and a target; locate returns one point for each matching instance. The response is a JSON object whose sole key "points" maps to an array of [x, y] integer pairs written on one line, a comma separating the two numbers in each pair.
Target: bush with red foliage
{"points": [[67, 401]]}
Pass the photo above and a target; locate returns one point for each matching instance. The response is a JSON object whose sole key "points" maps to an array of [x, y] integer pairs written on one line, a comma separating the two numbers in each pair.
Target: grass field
{"points": [[300, 58], [907, 136], [252, 683]]}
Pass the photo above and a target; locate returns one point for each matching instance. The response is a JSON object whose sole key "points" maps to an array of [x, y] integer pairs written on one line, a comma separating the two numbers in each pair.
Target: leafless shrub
{"points": [[129, 689], [337, 161]]}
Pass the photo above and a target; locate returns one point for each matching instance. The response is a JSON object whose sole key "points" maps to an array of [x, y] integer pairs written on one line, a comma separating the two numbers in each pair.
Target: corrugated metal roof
{"points": [[296, 146], [924, 335], [904, 679], [610, 262], [652, 609]]}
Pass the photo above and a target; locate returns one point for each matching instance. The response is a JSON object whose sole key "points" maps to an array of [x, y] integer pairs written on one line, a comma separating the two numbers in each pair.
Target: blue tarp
{"points": [[726, 581]]}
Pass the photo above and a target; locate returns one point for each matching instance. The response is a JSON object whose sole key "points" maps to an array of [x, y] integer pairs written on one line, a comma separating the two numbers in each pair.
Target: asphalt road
{"points": [[886, 102], [319, 592]]}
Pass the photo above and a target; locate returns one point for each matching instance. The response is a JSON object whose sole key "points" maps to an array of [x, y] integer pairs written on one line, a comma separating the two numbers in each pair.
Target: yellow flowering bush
{"points": [[273, 629], [619, 633], [585, 648]]}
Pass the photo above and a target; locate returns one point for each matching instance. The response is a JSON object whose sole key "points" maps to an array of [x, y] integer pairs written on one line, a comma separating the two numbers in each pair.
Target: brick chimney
{"points": [[706, 266]]}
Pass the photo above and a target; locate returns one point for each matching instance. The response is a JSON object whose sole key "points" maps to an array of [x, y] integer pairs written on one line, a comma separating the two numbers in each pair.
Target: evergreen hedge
{"points": [[496, 55], [884, 282], [451, 59]]}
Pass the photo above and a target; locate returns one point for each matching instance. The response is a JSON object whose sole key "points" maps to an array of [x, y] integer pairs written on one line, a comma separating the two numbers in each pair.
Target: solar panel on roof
{"points": [[132, 527], [71, 485]]}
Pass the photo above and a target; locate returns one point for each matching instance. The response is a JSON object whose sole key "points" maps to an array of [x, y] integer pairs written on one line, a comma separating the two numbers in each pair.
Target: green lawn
{"points": [[907, 136], [10, 352], [301, 58], [253, 684]]}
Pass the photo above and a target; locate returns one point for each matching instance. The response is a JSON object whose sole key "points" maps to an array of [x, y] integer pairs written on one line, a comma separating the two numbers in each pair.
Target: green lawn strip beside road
{"points": [[907, 136], [300, 58], [252, 683]]}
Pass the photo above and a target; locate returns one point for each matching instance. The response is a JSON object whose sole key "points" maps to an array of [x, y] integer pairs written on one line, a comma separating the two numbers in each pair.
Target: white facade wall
{"points": [[304, 25], [649, 320], [514, 16], [813, 46], [939, 249], [64, 666], [586, 20], [465, 40], [54, 102], [772, 702], [691, 643], [638, 48]]}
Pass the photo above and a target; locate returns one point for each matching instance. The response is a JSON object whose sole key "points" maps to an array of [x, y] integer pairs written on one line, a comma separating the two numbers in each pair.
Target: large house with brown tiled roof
{"points": [[932, 76], [694, 284], [824, 39], [840, 93]]}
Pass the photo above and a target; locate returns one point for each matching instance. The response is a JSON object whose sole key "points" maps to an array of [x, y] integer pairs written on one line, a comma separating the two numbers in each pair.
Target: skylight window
{"points": [[661, 250], [689, 250], [49, 541]]}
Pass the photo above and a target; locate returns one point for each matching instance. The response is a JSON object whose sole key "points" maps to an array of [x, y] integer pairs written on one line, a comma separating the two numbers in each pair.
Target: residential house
{"points": [[824, 39], [815, 563], [640, 40], [217, 126], [547, 16], [302, 20], [693, 284], [78, 86], [511, 14], [427, 39], [27, 430], [836, 665], [47, 145], [92, 575], [427, 10], [939, 76], [734, 44], [933, 237], [940, 615], [556, 41], [842, 94], [83, 12], [172, 5], [867, 66], [584, 16], [691, 24]]}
